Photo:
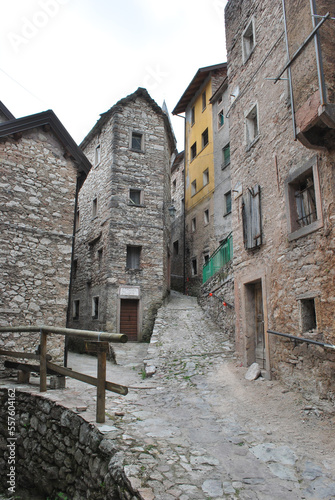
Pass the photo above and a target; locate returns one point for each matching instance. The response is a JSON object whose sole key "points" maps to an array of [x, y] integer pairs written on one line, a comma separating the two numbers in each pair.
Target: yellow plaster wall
{"points": [[204, 158]]}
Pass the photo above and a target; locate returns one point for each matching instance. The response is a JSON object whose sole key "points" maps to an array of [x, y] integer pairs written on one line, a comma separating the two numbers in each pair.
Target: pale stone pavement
{"points": [[197, 429]]}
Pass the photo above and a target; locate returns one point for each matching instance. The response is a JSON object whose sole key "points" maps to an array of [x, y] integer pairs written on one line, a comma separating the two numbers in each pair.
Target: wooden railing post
{"points": [[101, 387], [43, 361]]}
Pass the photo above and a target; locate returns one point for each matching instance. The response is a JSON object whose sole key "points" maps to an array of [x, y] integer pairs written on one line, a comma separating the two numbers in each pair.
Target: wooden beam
{"points": [[101, 389]]}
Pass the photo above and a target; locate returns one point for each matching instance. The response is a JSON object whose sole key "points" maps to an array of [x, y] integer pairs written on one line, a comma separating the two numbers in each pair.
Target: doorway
{"points": [[129, 318], [254, 318]]}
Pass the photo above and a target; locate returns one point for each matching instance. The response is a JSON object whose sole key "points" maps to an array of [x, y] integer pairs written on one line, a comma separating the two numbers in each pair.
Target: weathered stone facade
{"points": [[39, 166], [121, 266], [283, 255], [58, 453], [177, 224]]}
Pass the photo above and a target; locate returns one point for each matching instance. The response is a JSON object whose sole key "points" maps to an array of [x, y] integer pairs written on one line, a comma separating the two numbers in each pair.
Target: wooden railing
{"points": [[98, 342]]}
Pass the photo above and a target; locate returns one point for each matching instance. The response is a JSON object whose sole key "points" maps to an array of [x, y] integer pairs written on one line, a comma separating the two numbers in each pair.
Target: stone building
{"points": [[199, 171], [41, 169], [283, 203], [121, 260], [177, 223]]}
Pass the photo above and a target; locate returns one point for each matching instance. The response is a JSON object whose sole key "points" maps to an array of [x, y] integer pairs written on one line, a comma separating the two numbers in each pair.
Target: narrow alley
{"points": [[198, 430]]}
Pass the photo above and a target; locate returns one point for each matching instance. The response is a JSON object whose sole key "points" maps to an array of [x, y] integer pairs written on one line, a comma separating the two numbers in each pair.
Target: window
{"points": [[193, 151], [251, 216], [204, 137], [206, 258], [135, 196], [182, 203], [133, 257], [194, 267], [204, 103], [227, 202], [95, 307], [304, 200], [77, 219], [97, 155], [251, 123], [206, 217], [308, 315], [76, 304], [226, 155], [75, 268], [248, 40], [193, 116], [193, 224], [95, 207], [220, 119], [100, 254], [174, 184], [205, 177], [137, 141], [176, 248], [193, 188]]}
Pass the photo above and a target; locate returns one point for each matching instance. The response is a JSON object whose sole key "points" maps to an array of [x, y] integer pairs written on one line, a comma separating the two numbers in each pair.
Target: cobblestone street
{"points": [[197, 429]]}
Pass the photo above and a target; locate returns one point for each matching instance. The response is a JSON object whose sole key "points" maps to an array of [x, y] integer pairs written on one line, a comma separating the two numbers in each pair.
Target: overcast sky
{"points": [[79, 57]]}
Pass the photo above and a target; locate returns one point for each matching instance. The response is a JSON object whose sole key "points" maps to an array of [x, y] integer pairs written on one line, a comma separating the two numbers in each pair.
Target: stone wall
{"points": [[102, 237], [58, 452], [37, 196], [177, 225], [292, 265], [221, 288]]}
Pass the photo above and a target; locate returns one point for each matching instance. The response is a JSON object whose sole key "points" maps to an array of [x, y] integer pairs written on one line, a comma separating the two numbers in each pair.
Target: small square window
{"points": [[206, 217], [135, 196], [194, 188], [220, 119], [193, 116], [193, 151], [95, 207], [194, 267], [205, 138], [137, 141], [176, 248], [248, 40], [227, 202], [95, 307], [205, 177], [204, 101], [76, 305], [193, 225], [226, 156], [97, 155], [251, 122], [133, 257]]}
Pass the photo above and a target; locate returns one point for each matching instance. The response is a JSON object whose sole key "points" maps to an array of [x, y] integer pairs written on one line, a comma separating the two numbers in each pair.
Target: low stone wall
{"points": [[221, 286], [57, 452]]}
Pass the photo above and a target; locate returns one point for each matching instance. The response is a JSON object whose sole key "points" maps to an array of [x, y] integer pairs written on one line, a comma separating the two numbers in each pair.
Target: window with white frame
{"points": [[97, 155], [205, 177], [251, 125], [248, 40], [95, 307], [206, 217], [220, 119]]}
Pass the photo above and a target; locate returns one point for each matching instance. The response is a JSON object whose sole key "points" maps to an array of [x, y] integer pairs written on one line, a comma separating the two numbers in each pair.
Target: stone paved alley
{"points": [[197, 429]]}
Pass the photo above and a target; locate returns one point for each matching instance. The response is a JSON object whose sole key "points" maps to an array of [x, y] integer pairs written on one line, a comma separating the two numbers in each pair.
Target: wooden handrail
{"points": [[100, 346]]}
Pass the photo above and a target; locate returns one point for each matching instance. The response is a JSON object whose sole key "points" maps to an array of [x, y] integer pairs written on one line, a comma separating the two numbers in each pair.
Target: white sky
{"points": [[79, 57]]}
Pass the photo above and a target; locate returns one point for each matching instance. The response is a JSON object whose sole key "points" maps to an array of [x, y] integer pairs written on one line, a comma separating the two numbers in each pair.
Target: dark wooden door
{"points": [[129, 318], [259, 324]]}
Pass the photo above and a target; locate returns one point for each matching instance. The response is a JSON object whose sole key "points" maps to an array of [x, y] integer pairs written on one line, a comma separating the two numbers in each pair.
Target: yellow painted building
{"points": [[199, 171]]}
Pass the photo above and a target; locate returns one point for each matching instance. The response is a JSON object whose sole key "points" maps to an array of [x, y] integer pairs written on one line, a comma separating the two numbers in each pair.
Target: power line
{"points": [[19, 84]]}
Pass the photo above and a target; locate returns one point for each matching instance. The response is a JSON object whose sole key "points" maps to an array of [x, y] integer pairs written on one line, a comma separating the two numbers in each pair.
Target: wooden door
{"points": [[129, 318], [259, 326]]}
